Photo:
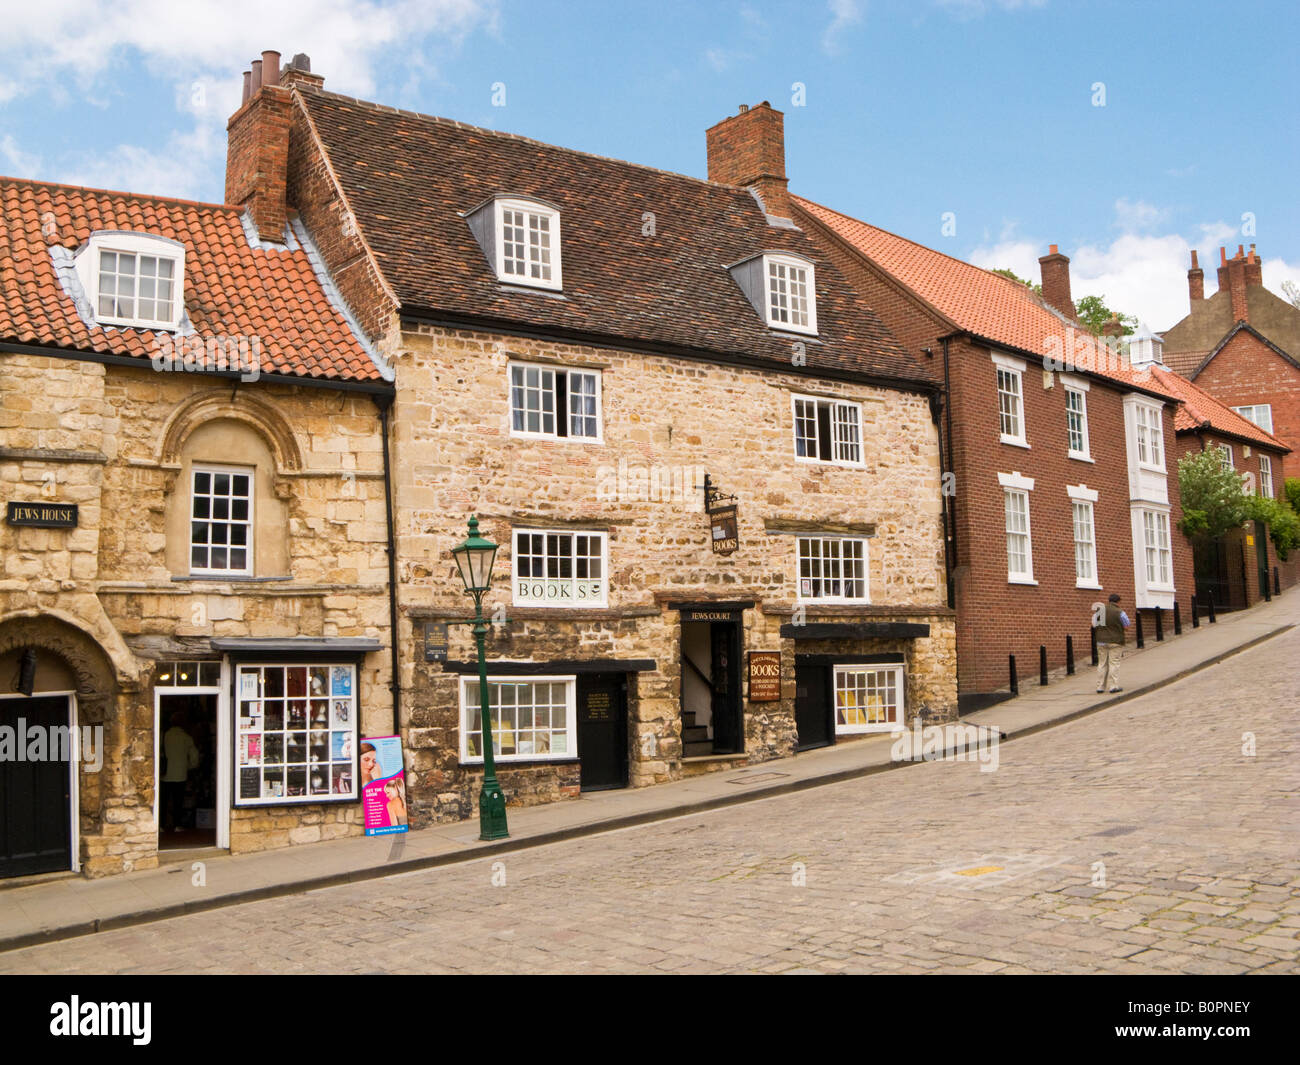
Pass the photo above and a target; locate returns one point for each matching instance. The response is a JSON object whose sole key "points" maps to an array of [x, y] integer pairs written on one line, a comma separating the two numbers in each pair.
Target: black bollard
{"points": [[1094, 647], [1178, 620], [1213, 619], [1160, 625], [1042, 665], [1137, 614], [1196, 621], [1069, 655], [1277, 581], [1015, 684]]}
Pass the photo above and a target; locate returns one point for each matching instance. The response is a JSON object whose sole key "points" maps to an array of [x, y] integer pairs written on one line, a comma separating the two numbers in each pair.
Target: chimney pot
{"points": [[1195, 264], [1055, 271], [256, 64], [248, 89], [1195, 281], [270, 68], [1241, 251], [301, 61], [1223, 255]]}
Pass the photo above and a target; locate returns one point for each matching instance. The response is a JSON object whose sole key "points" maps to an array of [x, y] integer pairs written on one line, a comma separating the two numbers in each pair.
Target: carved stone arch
{"points": [[97, 680], [256, 413]]}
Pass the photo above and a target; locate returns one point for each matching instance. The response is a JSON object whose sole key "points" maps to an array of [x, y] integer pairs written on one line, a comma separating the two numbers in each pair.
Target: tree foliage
{"points": [[1215, 502], [1092, 310], [1292, 493], [1005, 272], [1282, 521]]}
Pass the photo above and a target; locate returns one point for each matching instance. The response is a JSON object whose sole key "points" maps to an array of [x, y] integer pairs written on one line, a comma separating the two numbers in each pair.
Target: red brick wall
{"points": [[1247, 371], [257, 145]]}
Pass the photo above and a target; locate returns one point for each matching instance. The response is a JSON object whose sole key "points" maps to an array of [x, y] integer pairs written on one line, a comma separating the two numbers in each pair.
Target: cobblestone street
{"points": [[1139, 839]]}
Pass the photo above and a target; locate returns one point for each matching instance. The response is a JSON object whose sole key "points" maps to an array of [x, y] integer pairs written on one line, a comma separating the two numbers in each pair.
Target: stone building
{"points": [[580, 346], [1061, 450], [191, 458]]}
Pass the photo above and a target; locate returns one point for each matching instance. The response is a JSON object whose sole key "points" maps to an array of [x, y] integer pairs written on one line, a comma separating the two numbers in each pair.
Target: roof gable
{"points": [[1200, 410], [644, 257]]}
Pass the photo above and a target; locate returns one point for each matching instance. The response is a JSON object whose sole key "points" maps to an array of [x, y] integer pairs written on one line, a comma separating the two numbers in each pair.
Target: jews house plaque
{"points": [[43, 515]]}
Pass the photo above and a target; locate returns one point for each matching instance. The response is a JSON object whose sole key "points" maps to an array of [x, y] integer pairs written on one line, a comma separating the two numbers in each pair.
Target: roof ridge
{"points": [[442, 120], [4, 178], [916, 244]]}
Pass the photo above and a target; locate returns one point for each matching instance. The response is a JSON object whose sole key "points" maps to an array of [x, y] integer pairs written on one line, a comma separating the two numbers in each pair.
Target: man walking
{"points": [[1109, 622]]}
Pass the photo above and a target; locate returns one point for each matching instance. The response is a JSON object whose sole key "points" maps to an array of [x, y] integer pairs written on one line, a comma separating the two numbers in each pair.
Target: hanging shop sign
{"points": [[764, 676], [724, 529], [435, 641], [43, 515], [383, 785]]}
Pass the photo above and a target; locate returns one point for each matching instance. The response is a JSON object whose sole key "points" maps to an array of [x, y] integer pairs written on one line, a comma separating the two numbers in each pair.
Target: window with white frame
{"points": [[791, 293], [547, 401], [1266, 476], [868, 698], [1085, 544], [1225, 452], [532, 718], [133, 279], [1155, 528], [1076, 422], [826, 430], [560, 569], [221, 520], [1011, 407], [1020, 553], [834, 569], [1259, 413], [1150, 436], [528, 243], [296, 734]]}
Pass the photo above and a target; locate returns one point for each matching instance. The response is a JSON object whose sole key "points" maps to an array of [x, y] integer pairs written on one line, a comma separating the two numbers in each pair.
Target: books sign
{"points": [[764, 676]]}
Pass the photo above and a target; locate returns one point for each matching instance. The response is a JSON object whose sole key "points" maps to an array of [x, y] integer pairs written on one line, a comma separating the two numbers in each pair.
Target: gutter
{"points": [[384, 405]]}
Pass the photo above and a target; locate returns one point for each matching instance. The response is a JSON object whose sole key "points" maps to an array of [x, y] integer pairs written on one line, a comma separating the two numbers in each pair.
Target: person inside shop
{"points": [[181, 756]]}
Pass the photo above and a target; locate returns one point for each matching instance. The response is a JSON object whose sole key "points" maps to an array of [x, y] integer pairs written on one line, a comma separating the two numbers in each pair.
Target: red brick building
{"points": [[1243, 568], [1242, 346], [1063, 481]]}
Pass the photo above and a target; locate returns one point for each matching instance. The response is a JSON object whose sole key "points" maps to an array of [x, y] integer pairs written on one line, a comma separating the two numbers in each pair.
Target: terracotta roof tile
{"points": [[1199, 410], [231, 288], [978, 301]]}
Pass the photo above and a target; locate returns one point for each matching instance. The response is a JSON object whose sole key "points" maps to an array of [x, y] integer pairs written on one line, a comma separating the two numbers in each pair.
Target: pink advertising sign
{"points": [[383, 785]]}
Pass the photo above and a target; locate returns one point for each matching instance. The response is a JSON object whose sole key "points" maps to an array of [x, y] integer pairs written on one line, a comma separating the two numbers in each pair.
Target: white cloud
{"points": [[844, 15], [968, 9], [1138, 273], [1138, 216], [14, 162]]}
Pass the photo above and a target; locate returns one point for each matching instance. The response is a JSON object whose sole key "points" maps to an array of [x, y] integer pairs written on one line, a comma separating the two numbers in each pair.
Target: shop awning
{"points": [[861, 630], [314, 648]]}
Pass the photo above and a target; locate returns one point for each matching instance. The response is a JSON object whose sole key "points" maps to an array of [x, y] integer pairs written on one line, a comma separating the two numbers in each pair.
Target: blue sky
{"points": [[983, 108]]}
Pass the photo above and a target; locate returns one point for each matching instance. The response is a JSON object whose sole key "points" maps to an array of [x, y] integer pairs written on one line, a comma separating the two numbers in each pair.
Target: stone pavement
{"points": [[73, 906]]}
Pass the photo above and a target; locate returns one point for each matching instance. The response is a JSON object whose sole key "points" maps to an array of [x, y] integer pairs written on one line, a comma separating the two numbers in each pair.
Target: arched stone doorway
{"points": [[60, 749]]}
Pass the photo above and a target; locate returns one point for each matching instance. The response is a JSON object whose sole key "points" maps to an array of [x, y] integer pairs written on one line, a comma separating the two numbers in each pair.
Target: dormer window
{"points": [[521, 239], [133, 279], [1145, 348], [782, 287]]}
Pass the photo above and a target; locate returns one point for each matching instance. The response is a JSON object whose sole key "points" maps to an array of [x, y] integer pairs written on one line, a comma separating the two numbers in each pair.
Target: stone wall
{"points": [[117, 441]]}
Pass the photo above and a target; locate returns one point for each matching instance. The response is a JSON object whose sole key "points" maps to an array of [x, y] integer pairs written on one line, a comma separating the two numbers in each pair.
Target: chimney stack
{"points": [[1195, 282], [1055, 269], [1113, 327], [257, 149], [748, 149], [1233, 279]]}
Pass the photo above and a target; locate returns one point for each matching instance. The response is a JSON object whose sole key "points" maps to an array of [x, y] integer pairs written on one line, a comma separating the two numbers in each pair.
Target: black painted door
{"points": [[728, 728], [602, 730], [1261, 558], [812, 706], [35, 795]]}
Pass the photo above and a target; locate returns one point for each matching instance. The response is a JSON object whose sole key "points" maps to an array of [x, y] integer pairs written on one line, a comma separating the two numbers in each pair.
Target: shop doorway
{"points": [[711, 704], [36, 789], [187, 747], [812, 706], [602, 730]]}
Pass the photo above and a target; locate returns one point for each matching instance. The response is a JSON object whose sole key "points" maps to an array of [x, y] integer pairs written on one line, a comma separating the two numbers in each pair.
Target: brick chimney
{"points": [[1195, 281], [1254, 268], [257, 148], [749, 149], [1232, 279], [1113, 327], [1055, 269]]}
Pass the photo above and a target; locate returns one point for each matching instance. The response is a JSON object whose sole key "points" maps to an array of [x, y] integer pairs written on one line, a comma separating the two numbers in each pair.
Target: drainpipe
{"points": [[937, 401], [385, 404], [950, 503]]}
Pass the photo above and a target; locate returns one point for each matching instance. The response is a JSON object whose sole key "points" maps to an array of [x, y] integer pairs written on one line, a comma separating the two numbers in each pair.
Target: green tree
{"points": [[1292, 492], [1212, 496], [1094, 314], [1283, 524], [1005, 272]]}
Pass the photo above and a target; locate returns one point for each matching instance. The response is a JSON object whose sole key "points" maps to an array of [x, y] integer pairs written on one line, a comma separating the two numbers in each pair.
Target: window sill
{"points": [[231, 578], [1146, 466], [555, 439], [1022, 580], [1015, 442], [1088, 585], [1079, 456], [830, 463], [526, 762]]}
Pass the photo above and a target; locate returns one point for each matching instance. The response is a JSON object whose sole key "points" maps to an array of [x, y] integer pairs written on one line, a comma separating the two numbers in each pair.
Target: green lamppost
{"points": [[474, 559]]}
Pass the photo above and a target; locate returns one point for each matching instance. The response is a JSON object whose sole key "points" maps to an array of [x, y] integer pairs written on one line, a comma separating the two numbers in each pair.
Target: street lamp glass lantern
{"points": [[474, 558]]}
